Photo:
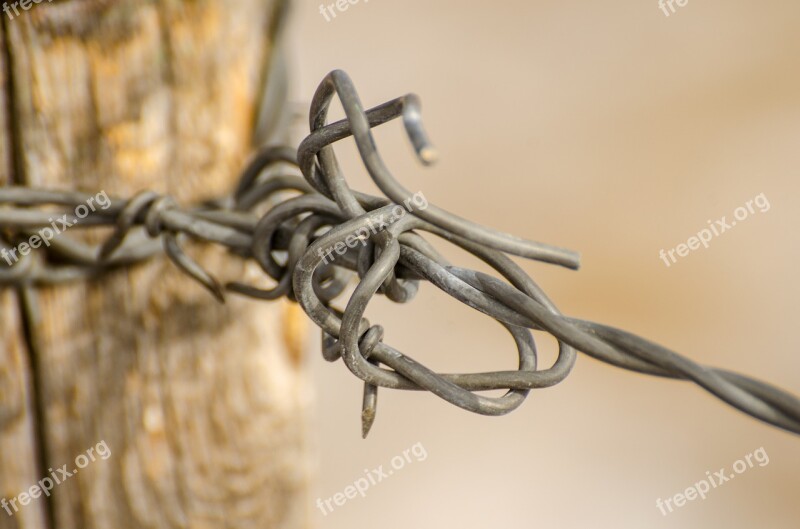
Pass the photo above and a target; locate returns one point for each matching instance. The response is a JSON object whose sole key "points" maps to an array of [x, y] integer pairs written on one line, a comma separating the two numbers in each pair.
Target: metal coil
{"points": [[378, 241]]}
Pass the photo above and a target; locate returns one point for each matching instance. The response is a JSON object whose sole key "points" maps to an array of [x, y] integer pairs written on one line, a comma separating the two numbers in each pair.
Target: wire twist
{"points": [[291, 242]]}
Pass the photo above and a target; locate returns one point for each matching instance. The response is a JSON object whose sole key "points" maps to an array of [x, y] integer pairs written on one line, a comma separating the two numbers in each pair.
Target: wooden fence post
{"points": [[194, 411]]}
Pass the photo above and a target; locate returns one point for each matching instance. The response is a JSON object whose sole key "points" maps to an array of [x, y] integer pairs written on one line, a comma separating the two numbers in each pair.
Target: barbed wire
{"points": [[314, 242]]}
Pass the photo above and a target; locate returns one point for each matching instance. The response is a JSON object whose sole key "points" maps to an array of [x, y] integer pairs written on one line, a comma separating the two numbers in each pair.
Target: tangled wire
{"points": [[292, 243]]}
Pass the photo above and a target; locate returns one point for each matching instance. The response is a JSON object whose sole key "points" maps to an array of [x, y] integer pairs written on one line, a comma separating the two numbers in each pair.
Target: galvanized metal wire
{"points": [[307, 216]]}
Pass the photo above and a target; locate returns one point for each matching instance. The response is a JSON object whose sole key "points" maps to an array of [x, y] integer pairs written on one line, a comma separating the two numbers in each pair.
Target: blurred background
{"points": [[618, 131]]}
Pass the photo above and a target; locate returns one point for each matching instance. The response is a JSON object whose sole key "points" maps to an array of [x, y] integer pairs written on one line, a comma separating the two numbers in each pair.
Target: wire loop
{"points": [[316, 235]]}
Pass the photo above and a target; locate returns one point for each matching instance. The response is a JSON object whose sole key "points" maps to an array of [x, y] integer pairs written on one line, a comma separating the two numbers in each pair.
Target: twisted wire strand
{"points": [[307, 216]]}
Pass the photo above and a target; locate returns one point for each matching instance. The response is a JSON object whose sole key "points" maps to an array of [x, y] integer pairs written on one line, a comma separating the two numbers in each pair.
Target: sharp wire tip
{"points": [[367, 420]]}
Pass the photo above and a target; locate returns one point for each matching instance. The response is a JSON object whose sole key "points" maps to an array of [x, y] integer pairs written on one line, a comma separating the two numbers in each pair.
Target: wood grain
{"points": [[202, 405]]}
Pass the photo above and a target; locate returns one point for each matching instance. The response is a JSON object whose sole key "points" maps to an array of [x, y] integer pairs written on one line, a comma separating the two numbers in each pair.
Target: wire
{"points": [[317, 235]]}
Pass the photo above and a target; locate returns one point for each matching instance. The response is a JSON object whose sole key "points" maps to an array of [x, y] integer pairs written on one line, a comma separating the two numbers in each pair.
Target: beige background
{"points": [[611, 129]]}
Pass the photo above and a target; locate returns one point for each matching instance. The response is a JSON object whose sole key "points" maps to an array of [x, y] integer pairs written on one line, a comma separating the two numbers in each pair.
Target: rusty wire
{"points": [[291, 242]]}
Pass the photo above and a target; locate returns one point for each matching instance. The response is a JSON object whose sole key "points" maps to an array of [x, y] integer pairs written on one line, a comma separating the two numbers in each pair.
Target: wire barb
{"points": [[317, 234]]}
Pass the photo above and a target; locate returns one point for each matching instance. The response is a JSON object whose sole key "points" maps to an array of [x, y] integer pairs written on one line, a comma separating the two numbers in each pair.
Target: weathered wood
{"points": [[201, 405], [18, 436]]}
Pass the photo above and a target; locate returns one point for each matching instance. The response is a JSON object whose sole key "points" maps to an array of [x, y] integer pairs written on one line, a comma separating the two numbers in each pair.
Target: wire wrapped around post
{"points": [[379, 241]]}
